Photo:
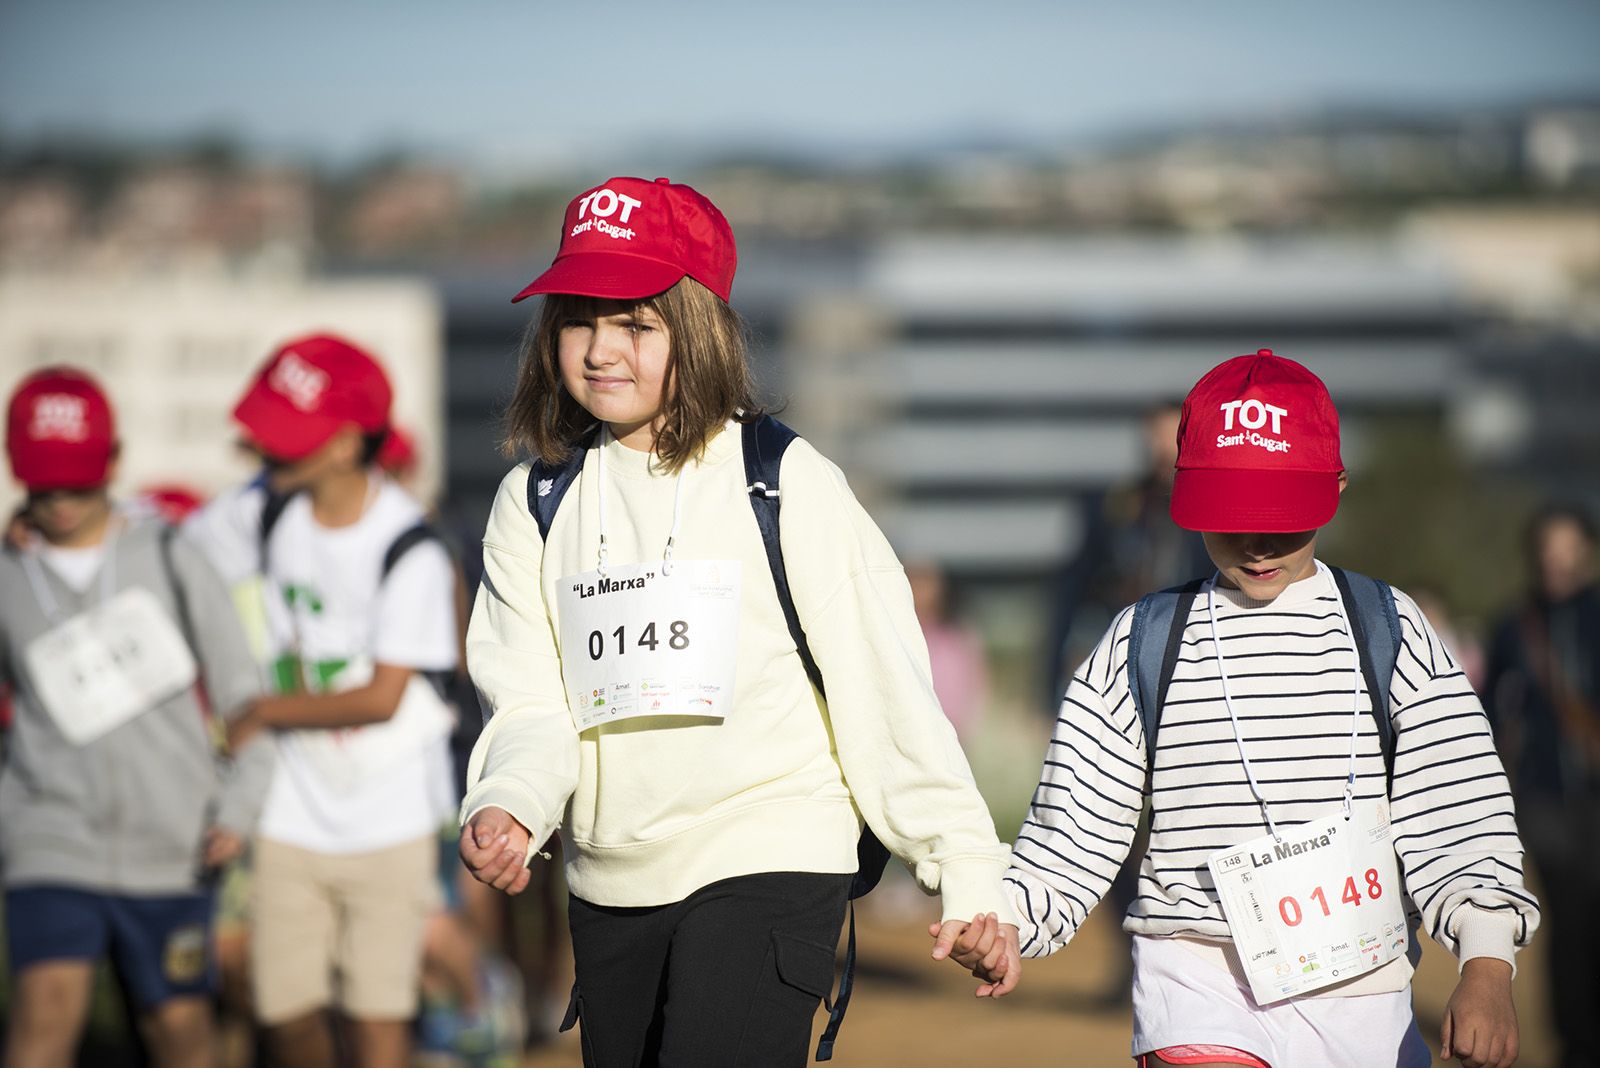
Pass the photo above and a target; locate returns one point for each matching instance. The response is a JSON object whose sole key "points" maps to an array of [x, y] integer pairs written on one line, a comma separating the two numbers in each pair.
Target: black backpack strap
{"points": [[548, 483], [1375, 629], [180, 593], [409, 539], [1150, 665], [765, 441], [443, 682], [271, 511]]}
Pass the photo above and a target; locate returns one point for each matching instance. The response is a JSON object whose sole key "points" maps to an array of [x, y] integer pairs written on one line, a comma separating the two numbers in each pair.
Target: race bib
{"points": [[636, 642], [1318, 907], [109, 664], [348, 758]]}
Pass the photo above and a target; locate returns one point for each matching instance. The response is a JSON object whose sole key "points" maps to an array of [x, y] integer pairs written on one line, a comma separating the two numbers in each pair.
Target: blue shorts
{"points": [[160, 946]]}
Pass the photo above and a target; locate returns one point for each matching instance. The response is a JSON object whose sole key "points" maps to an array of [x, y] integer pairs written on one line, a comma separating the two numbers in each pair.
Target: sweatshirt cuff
{"points": [[971, 885], [1481, 933], [522, 808]]}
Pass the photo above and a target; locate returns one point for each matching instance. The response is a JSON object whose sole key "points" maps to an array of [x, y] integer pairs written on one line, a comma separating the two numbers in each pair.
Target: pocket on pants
{"points": [[803, 966]]}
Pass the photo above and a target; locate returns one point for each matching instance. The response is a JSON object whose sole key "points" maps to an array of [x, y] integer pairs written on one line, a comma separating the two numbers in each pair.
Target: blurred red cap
{"points": [[307, 391], [398, 454], [628, 239], [1258, 450], [59, 431]]}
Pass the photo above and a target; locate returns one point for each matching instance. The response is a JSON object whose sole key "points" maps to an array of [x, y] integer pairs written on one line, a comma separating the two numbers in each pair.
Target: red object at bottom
{"points": [[1204, 1055]]}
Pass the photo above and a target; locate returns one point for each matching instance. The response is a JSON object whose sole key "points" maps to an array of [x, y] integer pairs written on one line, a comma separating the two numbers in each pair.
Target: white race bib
{"points": [[347, 758], [109, 664], [1317, 908], [636, 642]]}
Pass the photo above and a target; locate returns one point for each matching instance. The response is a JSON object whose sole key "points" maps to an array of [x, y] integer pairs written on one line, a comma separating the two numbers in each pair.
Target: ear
{"points": [[114, 463], [1343, 481]]}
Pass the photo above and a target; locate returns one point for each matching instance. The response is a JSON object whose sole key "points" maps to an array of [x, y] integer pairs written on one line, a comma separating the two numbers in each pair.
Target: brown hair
{"points": [[708, 377]]}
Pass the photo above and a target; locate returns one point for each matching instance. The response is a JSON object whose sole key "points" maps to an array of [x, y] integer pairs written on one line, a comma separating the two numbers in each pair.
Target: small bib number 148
{"points": [[639, 642], [1318, 906]]}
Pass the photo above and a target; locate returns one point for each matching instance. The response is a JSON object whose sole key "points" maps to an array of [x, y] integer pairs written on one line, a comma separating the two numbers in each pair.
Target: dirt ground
{"points": [[907, 1011]]}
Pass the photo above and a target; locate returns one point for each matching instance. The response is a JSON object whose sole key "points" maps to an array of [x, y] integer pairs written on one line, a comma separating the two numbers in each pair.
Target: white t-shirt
{"points": [[327, 603], [76, 567], [227, 529]]}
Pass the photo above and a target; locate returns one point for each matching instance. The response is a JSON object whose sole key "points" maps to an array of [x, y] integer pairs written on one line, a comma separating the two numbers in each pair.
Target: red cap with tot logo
{"points": [[1258, 450], [628, 239], [307, 390], [59, 431]]}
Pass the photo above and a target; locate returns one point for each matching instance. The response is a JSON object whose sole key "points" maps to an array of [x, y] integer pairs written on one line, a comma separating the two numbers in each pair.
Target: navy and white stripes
{"points": [[1290, 673]]}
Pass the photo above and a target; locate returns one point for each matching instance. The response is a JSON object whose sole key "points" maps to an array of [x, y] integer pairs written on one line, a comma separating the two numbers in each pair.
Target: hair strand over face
{"points": [[708, 378]]}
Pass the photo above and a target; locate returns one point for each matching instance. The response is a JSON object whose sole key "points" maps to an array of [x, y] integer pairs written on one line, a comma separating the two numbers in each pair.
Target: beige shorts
{"points": [[340, 930]]}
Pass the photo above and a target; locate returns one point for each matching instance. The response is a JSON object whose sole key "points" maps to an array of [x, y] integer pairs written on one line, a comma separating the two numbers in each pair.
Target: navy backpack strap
{"points": [[1375, 629], [765, 441], [548, 483], [1151, 663]]}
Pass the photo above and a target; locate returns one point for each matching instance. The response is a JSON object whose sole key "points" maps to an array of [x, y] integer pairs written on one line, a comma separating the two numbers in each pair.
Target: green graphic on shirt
{"points": [[292, 674], [302, 595]]}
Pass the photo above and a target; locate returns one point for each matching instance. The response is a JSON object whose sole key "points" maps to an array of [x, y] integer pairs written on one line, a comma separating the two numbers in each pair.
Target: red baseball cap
{"points": [[627, 239], [1258, 450], [398, 455], [307, 391], [60, 433]]}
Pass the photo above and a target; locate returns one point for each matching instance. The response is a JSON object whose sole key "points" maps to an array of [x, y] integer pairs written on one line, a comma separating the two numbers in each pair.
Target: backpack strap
{"points": [[408, 539], [271, 511], [1152, 662], [548, 483], [765, 441], [1375, 629]]}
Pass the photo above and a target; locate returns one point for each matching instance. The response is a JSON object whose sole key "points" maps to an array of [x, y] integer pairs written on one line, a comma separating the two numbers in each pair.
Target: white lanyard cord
{"points": [[41, 586], [1227, 700], [677, 506]]}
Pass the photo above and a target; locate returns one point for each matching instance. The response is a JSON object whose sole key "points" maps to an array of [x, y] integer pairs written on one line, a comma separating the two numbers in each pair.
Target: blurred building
{"points": [[175, 349]]}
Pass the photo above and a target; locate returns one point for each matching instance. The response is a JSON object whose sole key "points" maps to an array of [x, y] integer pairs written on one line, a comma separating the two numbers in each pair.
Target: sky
{"points": [[543, 85]]}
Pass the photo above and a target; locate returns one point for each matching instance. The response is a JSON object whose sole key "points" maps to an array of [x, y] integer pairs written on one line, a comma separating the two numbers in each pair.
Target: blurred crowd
{"points": [[484, 975]]}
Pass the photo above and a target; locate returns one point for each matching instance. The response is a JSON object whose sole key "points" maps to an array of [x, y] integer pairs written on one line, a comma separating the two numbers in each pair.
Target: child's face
{"points": [[64, 517], [614, 362], [1263, 565], [336, 456]]}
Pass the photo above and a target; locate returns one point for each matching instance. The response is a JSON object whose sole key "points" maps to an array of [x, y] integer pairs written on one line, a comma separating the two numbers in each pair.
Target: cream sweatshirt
{"points": [[653, 809]]}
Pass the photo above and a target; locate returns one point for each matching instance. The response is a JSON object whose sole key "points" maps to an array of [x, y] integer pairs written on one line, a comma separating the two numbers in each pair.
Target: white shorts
{"points": [[1180, 998]]}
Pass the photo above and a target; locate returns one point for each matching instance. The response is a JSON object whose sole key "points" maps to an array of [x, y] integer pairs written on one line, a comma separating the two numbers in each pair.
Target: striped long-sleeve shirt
{"points": [[1292, 677]]}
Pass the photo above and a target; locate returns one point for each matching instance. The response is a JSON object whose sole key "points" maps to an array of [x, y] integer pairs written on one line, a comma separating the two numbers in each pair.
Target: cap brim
{"points": [[278, 428], [609, 275], [1243, 501], [71, 468]]}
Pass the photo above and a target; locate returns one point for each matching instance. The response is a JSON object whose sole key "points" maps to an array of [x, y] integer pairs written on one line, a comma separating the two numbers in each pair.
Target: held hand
{"points": [[1480, 1022], [1003, 969], [494, 847], [985, 947], [222, 847]]}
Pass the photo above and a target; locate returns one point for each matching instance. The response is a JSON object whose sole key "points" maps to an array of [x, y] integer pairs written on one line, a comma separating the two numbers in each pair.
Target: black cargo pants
{"points": [[730, 976]]}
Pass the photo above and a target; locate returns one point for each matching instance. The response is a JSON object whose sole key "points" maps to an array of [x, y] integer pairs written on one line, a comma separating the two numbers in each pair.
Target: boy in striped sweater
{"points": [[1297, 841]]}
